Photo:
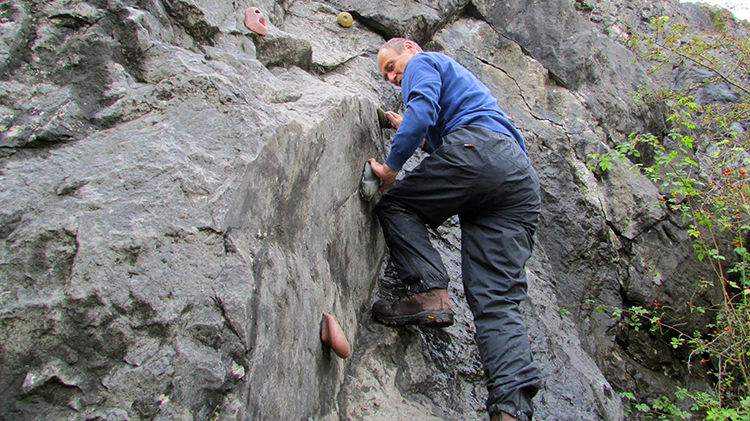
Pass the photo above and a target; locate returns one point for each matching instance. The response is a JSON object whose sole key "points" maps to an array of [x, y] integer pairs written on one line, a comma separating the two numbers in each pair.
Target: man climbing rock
{"points": [[477, 169]]}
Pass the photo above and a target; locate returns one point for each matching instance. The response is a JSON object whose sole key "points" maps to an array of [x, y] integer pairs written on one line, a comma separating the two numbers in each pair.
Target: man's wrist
{"points": [[389, 162]]}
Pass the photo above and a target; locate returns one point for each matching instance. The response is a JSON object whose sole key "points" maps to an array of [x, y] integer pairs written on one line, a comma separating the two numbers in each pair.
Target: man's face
{"points": [[391, 63]]}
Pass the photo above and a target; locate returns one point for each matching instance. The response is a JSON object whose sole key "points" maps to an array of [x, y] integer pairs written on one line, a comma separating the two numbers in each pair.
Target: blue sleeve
{"points": [[420, 89]]}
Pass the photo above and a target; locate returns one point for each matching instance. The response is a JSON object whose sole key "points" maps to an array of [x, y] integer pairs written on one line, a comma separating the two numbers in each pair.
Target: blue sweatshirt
{"points": [[441, 95]]}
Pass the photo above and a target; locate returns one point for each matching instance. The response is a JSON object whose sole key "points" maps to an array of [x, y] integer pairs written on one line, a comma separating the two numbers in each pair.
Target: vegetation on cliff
{"points": [[701, 166]]}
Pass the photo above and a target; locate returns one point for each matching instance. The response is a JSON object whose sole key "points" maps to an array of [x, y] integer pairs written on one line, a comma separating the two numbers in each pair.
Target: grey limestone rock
{"points": [[179, 205]]}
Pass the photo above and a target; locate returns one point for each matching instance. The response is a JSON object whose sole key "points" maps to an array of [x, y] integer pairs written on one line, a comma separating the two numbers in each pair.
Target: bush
{"points": [[701, 167]]}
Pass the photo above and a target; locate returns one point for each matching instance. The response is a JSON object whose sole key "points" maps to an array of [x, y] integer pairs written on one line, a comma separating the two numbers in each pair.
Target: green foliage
{"points": [[663, 408], [715, 411], [660, 408], [701, 167]]}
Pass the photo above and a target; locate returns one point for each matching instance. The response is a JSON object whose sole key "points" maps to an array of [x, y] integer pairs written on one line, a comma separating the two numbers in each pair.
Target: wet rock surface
{"points": [[179, 207]]}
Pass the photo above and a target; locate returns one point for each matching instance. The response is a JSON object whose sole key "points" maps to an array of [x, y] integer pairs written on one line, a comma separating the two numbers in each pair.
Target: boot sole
{"points": [[427, 319]]}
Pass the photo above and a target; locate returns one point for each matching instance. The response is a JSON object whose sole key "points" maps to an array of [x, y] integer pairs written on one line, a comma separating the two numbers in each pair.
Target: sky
{"points": [[740, 8]]}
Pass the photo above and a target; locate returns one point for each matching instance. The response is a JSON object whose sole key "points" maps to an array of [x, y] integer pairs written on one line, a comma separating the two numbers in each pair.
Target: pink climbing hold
{"points": [[332, 335], [255, 21]]}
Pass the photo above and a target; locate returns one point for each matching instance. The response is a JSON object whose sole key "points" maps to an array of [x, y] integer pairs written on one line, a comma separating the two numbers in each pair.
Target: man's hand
{"points": [[394, 118], [384, 172]]}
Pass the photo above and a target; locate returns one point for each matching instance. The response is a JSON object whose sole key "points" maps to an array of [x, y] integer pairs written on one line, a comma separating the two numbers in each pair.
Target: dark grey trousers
{"points": [[485, 178]]}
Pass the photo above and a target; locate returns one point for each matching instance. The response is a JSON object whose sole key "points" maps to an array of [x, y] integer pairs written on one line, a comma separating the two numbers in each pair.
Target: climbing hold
{"points": [[255, 21], [332, 335], [383, 120], [370, 183], [345, 19]]}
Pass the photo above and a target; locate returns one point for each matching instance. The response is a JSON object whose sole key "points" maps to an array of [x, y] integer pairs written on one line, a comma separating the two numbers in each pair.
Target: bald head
{"points": [[393, 56], [397, 45]]}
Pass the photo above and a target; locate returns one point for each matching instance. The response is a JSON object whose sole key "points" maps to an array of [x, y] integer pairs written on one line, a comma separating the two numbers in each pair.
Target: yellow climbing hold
{"points": [[345, 19]]}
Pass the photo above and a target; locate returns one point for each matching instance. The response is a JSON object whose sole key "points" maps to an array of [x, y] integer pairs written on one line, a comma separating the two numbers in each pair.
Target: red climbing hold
{"points": [[332, 335], [255, 21]]}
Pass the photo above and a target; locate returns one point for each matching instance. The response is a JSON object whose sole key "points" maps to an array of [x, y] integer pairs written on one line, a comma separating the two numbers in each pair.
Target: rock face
{"points": [[179, 207]]}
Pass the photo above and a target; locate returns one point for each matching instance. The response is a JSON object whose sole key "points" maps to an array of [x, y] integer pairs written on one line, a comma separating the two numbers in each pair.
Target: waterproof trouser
{"points": [[486, 179]]}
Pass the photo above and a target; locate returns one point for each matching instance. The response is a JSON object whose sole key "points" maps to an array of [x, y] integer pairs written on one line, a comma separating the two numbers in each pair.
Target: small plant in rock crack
{"points": [[700, 166]]}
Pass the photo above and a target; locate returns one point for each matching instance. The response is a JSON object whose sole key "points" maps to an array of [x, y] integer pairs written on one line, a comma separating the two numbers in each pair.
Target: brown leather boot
{"points": [[431, 308]]}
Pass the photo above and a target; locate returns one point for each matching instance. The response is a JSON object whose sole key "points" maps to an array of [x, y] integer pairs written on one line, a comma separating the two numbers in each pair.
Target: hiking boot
{"points": [[431, 308]]}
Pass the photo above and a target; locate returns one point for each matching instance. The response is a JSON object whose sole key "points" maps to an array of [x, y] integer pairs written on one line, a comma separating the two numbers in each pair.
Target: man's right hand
{"points": [[384, 172], [394, 118]]}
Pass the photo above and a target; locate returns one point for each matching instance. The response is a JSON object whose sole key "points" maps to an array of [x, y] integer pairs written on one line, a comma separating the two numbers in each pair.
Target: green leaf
{"points": [[642, 407], [691, 162]]}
